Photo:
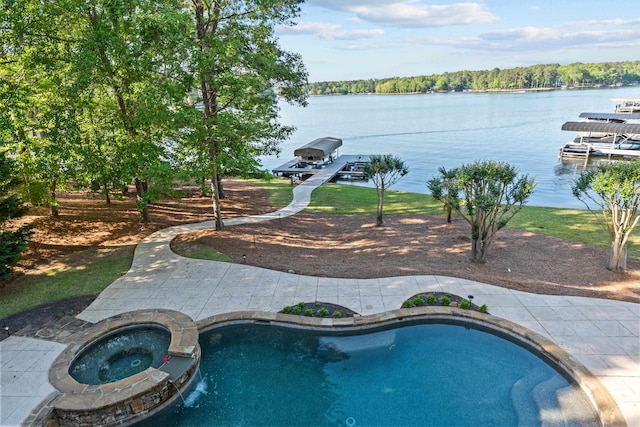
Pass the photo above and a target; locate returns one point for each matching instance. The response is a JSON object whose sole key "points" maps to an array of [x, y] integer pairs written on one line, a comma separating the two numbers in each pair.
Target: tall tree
{"points": [[123, 58], [238, 64], [128, 57], [615, 189], [486, 194], [385, 170], [36, 122]]}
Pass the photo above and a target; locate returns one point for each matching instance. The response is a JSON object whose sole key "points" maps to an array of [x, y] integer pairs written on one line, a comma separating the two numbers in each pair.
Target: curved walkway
{"points": [[603, 335]]}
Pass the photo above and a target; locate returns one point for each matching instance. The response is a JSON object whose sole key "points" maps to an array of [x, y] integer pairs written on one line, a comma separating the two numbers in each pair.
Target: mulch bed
{"points": [[351, 246]]}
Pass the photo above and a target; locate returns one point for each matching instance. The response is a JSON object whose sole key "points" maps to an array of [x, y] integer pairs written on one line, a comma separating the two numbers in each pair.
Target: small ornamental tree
{"points": [[12, 242], [486, 194], [385, 170], [615, 189]]}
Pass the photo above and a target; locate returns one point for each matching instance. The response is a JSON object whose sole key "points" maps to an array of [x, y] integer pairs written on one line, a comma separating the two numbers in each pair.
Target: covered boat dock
{"points": [[320, 157], [604, 127], [319, 151], [603, 138], [611, 117]]}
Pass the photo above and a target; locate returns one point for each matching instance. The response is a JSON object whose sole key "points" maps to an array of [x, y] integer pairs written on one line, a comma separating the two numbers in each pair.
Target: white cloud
{"points": [[328, 31], [618, 22], [541, 39], [411, 13], [515, 41]]}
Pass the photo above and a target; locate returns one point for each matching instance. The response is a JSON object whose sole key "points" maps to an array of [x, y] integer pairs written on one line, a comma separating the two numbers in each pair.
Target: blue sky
{"points": [[360, 39]]}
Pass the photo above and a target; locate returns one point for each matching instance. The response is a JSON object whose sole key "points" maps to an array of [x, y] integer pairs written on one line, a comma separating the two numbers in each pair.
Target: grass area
{"points": [[30, 291], [281, 191], [351, 199], [209, 254], [33, 290]]}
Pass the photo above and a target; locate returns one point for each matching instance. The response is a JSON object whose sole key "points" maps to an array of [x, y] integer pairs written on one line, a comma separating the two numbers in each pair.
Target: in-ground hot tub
{"points": [[121, 354], [123, 368]]}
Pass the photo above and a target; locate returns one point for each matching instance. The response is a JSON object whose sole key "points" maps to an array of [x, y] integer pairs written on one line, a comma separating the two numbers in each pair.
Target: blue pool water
{"points": [[418, 375]]}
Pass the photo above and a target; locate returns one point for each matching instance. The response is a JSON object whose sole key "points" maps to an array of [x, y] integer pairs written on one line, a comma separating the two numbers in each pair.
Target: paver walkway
{"points": [[604, 335]]}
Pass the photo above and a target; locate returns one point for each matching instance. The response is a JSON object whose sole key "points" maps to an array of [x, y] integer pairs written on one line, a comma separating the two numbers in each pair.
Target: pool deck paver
{"points": [[603, 335]]}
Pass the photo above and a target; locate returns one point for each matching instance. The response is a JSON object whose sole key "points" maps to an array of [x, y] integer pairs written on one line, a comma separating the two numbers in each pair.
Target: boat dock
{"points": [[611, 135], [319, 162], [345, 166]]}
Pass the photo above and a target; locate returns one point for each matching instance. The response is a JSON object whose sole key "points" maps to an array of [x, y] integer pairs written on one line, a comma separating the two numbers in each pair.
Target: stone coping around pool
{"points": [[605, 405], [136, 394]]}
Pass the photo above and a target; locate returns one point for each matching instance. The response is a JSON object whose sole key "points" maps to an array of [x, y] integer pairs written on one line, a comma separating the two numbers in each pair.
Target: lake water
{"points": [[450, 129]]}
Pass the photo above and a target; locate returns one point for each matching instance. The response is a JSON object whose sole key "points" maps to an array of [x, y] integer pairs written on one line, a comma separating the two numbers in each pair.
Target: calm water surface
{"points": [[433, 130]]}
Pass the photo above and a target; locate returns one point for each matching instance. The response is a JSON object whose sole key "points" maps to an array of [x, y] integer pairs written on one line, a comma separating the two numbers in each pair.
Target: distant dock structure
{"points": [[320, 158]]}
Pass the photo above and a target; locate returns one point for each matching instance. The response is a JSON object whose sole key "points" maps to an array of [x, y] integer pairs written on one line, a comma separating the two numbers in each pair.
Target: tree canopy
{"points": [[486, 194], [114, 98], [384, 170]]}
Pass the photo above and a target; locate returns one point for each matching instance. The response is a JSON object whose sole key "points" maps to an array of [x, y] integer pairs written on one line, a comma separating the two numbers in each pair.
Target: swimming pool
{"points": [[413, 374]]}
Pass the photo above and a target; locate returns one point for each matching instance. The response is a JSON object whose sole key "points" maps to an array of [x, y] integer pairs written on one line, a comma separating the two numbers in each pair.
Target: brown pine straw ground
{"points": [[351, 246], [344, 246]]}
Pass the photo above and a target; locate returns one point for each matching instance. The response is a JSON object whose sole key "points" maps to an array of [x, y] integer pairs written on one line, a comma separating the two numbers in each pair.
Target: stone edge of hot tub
{"points": [[608, 411], [123, 401]]}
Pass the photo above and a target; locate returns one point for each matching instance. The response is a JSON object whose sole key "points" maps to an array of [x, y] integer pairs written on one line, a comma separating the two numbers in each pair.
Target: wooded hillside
{"points": [[533, 77]]}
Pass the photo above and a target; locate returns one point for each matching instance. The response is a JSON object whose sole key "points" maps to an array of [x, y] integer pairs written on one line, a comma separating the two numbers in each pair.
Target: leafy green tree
{"points": [[447, 192], [133, 51], [385, 170], [615, 189], [100, 151], [37, 122], [12, 242], [123, 59], [486, 194], [127, 60], [238, 65]]}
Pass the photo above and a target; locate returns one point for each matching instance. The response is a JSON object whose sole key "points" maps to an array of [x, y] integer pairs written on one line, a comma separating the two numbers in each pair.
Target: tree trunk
{"points": [[53, 205], [107, 193], [478, 250], [379, 218], [216, 203], [140, 201], [617, 258], [207, 27], [221, 193]]}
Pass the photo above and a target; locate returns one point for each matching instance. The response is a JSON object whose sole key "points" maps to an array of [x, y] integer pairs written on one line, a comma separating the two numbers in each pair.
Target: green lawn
{"points": [[95, 275], [33, 290]]}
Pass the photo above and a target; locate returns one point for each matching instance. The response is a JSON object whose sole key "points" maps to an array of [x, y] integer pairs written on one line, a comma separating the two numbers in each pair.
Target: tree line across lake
{"points": [[533, 77]]}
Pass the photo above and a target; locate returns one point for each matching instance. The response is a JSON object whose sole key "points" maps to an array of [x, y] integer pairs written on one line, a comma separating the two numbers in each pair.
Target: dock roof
{"points": [[318, 148], [610, 116], [617, 128]]}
